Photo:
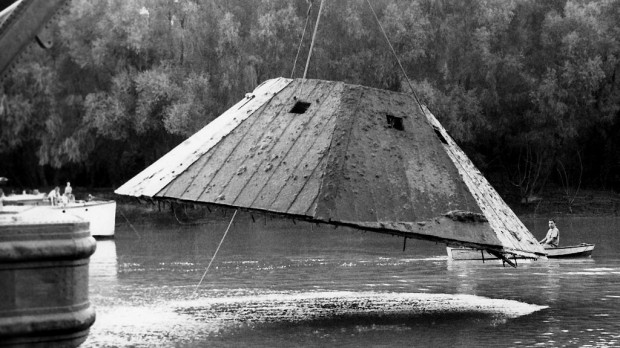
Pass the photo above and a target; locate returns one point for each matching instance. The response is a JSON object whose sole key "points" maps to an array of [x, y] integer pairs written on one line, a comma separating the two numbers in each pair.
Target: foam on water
{"points": [[188, 320], [309, 304]]}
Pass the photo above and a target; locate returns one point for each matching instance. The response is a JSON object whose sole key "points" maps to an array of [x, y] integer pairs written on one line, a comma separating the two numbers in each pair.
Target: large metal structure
{"points": [[23, 23], [341, 154], [320, 151]]}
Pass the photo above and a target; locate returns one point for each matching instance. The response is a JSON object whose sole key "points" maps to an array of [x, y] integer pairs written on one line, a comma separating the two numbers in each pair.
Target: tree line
{"points": [[529, 89]]}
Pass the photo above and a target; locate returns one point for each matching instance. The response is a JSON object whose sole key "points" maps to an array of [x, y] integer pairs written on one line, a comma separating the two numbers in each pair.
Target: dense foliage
{"points": [[530, 89]]}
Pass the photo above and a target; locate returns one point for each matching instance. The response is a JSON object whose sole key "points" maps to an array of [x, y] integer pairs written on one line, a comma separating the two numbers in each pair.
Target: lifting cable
{"points": [[499, 255], [214, 254], [316, 27], [415, 96], [302, 38], [130, 225]]}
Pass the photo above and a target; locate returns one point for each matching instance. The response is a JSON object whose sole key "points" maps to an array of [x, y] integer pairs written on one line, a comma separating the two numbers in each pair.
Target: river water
{"points": [[279, 284]]}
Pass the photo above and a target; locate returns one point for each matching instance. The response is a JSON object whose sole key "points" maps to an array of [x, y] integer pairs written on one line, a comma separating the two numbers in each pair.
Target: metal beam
{"points": [[20, 24]]}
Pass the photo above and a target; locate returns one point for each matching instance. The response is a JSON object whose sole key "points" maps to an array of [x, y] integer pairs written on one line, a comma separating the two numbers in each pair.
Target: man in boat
{"points": [[68, 196], [552, 239], [54, 195]]}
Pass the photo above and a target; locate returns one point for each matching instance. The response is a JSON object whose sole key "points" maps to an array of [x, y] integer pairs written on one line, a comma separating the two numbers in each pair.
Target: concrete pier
{"points": [[44, 258]]}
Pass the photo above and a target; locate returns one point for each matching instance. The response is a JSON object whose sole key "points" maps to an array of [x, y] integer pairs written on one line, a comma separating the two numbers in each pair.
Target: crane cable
{"points": [[316, 26], [302, 38], [415, 96]]}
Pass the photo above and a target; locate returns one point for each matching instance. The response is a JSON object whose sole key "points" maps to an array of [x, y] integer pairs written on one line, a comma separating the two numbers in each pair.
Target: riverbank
{"points": [[555, 202]]}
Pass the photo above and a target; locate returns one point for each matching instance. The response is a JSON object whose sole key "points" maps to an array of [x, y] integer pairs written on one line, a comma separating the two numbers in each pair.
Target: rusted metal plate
{"points": [[271, 159], [161, 173], [379, 173], [7, 10], [351, 155], [509, 229], [20, 23]]}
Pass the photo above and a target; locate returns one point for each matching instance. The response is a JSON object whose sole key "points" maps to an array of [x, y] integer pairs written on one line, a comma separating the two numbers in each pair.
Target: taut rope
{"points": [[316, 26], [214, 254], [415, 96], [302, 39]]}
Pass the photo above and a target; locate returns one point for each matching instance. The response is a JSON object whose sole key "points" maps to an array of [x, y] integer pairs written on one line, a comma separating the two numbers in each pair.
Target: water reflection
{"points": [[103, 263]]}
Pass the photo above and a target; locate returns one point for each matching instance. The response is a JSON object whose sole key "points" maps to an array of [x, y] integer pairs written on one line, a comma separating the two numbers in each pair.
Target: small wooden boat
{"points": [[581, 250]]}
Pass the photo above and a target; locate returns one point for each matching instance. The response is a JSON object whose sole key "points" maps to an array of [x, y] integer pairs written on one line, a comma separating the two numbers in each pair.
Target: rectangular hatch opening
{"points": [[395, 122], [300, 107]]}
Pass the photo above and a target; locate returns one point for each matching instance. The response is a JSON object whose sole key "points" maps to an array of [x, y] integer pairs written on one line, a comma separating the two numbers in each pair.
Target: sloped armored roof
{"points": [[343, 154]]}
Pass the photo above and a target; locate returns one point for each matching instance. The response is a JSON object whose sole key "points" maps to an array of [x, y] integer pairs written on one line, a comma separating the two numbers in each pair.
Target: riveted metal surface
{"points": [[357, 156], [379, 173], [20, 23], [161, 173]]}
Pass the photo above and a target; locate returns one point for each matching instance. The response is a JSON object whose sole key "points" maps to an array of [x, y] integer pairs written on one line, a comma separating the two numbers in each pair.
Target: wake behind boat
{"points": [[572, 251]]}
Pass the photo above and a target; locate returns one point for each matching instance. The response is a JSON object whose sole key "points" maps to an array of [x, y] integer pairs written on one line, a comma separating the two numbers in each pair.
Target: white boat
{"points": [[580, 250], [25, 199], [100, 214]]}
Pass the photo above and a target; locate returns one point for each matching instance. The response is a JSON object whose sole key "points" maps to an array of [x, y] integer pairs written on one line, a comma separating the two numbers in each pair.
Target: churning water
{"points": [[279, 284]]}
